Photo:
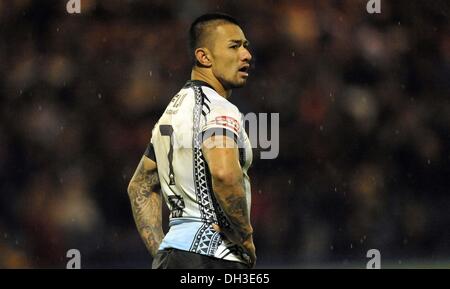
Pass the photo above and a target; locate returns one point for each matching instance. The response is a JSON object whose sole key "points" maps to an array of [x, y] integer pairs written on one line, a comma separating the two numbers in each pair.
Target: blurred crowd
{"points": [[364, 126]]}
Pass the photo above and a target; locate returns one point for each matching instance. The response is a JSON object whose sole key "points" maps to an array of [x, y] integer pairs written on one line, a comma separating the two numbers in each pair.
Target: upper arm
{"points": [[219, 145], [222, 155], [149, 164], [220, 135], [145, 175]]}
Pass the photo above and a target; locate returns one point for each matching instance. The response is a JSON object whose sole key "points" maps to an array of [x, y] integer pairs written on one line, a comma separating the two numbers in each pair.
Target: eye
{"points": [[234, 46]]}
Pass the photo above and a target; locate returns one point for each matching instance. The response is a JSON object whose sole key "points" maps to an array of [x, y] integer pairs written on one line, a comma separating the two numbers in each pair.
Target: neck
{"points": [[205, 74]]}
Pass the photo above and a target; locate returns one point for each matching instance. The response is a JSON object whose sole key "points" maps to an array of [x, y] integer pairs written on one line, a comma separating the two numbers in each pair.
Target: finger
{"points": [[216, 227], [253, 260]]}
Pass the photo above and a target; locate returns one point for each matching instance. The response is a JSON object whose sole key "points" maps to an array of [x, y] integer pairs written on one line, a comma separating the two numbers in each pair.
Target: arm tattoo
{"points": [[234, 205], [145, 199], [237, 212]]}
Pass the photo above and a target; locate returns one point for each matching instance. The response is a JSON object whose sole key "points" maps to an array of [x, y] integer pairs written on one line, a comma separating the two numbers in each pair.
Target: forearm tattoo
{"points": [[146, 206], [237, 210], [235, 207]]}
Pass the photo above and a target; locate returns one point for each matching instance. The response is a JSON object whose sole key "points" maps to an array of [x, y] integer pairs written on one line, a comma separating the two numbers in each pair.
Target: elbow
{"points": [[130, 188], [226, 177]]}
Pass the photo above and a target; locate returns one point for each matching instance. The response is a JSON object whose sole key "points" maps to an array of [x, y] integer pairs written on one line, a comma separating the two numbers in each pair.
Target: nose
{"points": [[246, 56]]}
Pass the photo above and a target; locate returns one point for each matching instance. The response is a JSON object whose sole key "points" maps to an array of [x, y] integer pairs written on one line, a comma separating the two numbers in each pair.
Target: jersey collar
{"points": [[190, 83]]}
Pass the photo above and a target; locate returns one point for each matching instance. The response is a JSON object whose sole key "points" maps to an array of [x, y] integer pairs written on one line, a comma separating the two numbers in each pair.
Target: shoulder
{"points": [[221, 114]]}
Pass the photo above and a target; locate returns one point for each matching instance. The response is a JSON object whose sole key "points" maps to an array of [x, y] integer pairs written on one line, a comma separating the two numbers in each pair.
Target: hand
{"points": [[247, 245]]}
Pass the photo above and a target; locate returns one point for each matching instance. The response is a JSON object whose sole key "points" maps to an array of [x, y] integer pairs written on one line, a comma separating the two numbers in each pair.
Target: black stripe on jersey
{"points": [[217, 131], [201, 189], [150, 152], [205, 97], [203, 241], [206, 106]]}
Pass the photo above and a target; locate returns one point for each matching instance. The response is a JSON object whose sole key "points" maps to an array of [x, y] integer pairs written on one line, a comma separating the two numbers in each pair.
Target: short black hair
{"points": [[198, 28]]}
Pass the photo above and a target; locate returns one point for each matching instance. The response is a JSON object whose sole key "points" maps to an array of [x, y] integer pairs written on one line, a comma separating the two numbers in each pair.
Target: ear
{"points": [[203, 57]]}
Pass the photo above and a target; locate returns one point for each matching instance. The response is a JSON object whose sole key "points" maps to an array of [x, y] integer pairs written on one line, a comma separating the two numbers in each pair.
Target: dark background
{"points": [[364, 127]]}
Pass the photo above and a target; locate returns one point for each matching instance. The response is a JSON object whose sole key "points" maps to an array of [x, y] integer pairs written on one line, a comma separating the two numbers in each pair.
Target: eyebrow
{"points": [[245, 42]]}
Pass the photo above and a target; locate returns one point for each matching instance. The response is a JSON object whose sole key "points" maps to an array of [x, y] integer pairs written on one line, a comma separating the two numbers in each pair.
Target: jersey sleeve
{"points": [[150, 152], [222, 119]]}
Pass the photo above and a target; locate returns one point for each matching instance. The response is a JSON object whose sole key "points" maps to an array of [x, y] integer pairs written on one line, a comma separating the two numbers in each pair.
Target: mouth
{"points": [[244, 70]]}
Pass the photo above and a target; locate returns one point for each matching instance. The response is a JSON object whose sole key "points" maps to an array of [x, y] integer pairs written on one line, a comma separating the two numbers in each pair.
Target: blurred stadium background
{"points": [[364, 127]]}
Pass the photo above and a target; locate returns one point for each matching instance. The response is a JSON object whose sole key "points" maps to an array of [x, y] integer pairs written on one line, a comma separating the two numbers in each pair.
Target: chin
{"points": [[239, 84], [234, 84]]}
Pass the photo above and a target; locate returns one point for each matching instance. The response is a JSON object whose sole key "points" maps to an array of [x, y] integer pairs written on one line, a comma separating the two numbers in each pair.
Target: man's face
{"points": [[230, 55]]}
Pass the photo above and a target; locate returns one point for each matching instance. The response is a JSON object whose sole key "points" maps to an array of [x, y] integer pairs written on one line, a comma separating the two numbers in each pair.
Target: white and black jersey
{"points": [[197, 109]]}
